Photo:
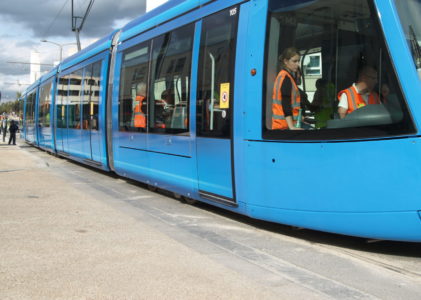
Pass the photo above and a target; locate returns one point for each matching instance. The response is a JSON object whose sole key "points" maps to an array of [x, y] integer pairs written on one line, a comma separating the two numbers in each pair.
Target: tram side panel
{"points": [[306, 185]]}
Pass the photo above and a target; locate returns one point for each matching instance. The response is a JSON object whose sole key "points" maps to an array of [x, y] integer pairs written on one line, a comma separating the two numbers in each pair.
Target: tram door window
{"points": [[340, 44], [90, 102], [170, 92], [216, 74], [86, 97], [74, 98], [62, 89], [30, 109], [133, 113], [44, 105]]}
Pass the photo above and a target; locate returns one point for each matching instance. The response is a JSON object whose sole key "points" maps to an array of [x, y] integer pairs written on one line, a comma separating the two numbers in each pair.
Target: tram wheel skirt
{"points": [[398, 226]]}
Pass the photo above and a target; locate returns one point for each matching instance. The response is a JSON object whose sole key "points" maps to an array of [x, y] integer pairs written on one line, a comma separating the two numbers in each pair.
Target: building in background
{"points": [[35, 66], [151, 4]]}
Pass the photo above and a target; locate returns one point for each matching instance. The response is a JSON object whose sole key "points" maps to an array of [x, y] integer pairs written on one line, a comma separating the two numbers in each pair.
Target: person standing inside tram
{"points": [[139, 119], [360, 93], [286, 99]]}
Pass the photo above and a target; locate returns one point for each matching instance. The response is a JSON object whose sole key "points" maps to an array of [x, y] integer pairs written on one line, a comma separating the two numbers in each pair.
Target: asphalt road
{"points": [[71, 232]]}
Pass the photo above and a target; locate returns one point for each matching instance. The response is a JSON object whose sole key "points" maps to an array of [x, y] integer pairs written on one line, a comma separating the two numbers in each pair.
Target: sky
{"points": [[24, 23]]}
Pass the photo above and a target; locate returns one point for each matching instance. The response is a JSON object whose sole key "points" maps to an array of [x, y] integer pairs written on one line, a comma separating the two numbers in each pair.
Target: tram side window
{"points": [[91, 96], [170, 91], [30, 109], [409, 14], [86, 97], [133, 110], [347, 85], [96, 95], [216, 74], [74, 99], [62, 98], [44, 105]]}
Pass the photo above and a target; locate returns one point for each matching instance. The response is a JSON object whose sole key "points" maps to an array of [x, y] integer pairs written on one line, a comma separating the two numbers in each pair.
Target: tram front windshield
{"points": [[409, 13], [340, 45]]}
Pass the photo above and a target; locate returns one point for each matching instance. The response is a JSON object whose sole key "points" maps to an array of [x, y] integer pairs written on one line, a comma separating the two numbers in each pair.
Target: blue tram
{"points": [[181, 99]]}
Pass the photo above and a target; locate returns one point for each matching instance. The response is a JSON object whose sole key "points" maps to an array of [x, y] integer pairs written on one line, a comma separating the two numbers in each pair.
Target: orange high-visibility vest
{"points": [[139, 116], [356, 101], [278, 116]]}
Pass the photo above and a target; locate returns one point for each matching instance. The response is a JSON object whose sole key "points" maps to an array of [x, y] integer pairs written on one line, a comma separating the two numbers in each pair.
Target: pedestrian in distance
{"points": [[13, 128], [3, 126]]}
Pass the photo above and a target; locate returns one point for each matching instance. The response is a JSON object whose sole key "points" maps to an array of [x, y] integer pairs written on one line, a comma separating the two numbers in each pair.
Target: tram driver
{"points": [[286, 98], [360, 93]]}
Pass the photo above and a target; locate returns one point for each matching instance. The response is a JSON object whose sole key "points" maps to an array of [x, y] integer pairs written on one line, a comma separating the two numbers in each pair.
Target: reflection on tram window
{"points": [[44, 105], [62, 98], [215, 75], [170, 92], [344, 65], [133, 110], [91, 96], [30, 109], [73, 99]]}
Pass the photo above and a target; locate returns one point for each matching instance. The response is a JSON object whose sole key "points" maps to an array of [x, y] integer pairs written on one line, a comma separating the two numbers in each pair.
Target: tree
{"points": [[10, 106]]}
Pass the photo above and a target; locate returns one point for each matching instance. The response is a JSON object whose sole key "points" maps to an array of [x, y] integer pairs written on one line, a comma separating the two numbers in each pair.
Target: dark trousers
{"points": [[12, 138], [4, 134]]}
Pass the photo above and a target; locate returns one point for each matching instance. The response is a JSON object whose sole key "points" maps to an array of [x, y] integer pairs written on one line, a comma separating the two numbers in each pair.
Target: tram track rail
{"points": [[380, 263]]}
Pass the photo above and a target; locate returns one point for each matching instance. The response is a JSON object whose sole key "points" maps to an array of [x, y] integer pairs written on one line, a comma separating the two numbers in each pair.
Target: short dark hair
{"points": [[365, 68]]}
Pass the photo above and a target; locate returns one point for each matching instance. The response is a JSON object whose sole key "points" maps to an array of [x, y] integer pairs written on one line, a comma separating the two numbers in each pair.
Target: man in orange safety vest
{"points": [[360, 93]]}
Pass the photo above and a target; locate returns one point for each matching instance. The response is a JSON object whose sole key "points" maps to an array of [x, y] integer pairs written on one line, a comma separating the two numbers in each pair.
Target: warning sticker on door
{"points": [[225, 95]]}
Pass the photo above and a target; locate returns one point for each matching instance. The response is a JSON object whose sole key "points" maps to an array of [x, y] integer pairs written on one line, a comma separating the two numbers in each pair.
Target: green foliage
{"points": [[10, 106]]}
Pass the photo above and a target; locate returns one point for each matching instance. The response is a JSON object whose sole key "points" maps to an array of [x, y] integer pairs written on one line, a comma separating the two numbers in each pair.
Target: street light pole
{"points": [[58, 45]]}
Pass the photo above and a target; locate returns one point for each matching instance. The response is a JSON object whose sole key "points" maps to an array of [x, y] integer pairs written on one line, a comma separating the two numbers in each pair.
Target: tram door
{"points": [[215, 105], [90, 108], [30, 130], [61, 114], [44, 126]]}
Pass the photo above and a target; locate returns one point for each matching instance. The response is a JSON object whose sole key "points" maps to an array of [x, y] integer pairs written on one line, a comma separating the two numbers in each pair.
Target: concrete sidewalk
{"points": [[57, 242]]}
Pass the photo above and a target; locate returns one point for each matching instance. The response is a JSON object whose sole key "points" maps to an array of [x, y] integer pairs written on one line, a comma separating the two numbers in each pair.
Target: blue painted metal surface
{"points": [[214, 170], [165, 12]]}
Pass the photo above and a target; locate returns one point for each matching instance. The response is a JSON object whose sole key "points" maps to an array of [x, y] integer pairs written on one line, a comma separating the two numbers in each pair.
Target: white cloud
{"points": [[24, 23]]}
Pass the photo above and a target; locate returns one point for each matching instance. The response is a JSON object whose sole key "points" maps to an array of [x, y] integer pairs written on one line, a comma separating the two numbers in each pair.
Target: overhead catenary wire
{"points": [[55, 18]]}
